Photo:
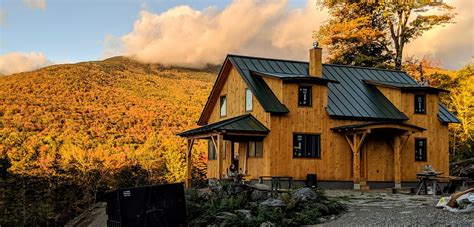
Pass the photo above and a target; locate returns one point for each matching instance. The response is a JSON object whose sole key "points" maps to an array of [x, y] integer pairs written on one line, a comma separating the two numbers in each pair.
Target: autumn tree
{"points": [[396, 23]]}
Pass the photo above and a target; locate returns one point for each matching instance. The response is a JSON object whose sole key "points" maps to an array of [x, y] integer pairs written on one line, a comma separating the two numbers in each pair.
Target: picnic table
{"points": [[428, 179], [276, 181]]}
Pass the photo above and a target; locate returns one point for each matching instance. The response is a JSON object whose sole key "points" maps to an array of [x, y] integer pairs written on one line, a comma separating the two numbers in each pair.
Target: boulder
{"points": [[246, 213], [267, 224], [258, 195], [271, 202], [225, 217], [304, 194]]}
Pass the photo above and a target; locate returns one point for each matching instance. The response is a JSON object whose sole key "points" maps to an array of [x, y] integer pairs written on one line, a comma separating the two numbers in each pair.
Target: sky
{"points": [[37, 33]]}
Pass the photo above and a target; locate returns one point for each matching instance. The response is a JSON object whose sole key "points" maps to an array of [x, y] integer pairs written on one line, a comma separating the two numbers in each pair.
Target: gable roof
{"points": [[445, 116], [406, 87], [351, 90], [240, 124]]}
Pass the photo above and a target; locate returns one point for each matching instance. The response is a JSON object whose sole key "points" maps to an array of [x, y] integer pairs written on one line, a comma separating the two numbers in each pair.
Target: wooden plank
{"points": [[397, 162], [190, 143]]}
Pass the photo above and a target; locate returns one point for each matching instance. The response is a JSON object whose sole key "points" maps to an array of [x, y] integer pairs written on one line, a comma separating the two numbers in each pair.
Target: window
{"points": [[211, 150], [304, 96], [223, 106], [420, 149], [248, 100], [420, 104], [255, 149], [306, 146]]}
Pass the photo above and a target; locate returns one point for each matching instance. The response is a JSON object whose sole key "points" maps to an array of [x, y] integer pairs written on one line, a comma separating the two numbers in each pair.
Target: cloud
{"points": [[15, 62], [39, 4], [187, 37], [113, 46], [453, 44]]}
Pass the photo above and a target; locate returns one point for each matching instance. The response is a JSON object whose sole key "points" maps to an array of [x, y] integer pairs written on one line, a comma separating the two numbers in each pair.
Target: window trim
{"points": [[310, 134], [220, 105], [251, 100], [426, 149], [310, 88], [416, 102]]}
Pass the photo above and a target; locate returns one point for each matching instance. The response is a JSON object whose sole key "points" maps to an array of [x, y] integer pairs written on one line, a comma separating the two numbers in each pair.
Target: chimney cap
{"points": [[314, 36]]}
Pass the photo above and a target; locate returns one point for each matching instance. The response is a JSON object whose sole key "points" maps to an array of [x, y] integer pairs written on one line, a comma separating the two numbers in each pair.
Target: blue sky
{"points": [[74, 30]]}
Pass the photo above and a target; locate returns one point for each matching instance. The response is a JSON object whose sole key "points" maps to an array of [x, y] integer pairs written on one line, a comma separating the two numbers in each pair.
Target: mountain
{"points": [[109, 123]]}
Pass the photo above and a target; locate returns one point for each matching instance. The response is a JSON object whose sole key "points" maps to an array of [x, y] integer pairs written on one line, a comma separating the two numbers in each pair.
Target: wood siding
{"points": [[335, 164]]}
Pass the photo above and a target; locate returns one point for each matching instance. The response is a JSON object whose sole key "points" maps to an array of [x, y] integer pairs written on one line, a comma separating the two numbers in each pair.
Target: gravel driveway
{"points": [[384, 208]]}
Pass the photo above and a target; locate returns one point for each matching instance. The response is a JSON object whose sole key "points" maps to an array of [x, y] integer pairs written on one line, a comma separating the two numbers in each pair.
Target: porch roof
{"points": [[377, 125], [244, 124]]}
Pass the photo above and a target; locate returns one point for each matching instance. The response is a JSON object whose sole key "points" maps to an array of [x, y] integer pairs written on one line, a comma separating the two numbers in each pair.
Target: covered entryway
{"points": [[236, 130], [394, 133]]}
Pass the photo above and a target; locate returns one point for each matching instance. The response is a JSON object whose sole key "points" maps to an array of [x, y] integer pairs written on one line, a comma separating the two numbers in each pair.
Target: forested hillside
{"points": [[68, 130]]}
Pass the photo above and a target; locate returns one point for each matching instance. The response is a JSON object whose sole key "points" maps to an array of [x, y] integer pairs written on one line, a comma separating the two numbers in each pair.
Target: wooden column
{"points": [[397, 162], [219, 156], [355, 145], [190, 143]]}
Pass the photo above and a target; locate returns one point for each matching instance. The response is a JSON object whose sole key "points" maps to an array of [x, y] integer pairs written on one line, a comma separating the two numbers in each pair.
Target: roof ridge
{"points": [[306, 62]]}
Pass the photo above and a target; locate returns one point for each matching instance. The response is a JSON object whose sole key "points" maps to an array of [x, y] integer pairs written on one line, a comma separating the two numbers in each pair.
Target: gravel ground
{"points": [[378, 208]]}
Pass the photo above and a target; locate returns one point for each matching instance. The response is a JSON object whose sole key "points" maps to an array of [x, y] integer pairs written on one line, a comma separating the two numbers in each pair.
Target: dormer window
{"points": [[420, 104], [223, 106], [248, 100], [304, 96]]}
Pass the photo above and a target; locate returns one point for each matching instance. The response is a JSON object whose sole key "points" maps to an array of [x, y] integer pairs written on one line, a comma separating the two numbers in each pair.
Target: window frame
{"points": [[254, 155], [310, 96], [304, 151], [251, 100], [415, 99], [222, 97], [425, 155]]}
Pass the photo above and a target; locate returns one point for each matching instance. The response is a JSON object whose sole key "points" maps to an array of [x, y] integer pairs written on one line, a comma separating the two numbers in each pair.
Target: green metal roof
{"points": [[353, 97], [241, 124], [445, 116], [407, 87]]}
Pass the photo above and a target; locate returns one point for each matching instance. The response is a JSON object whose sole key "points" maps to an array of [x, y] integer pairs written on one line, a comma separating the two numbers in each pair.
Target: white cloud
{"points": [[39, 4], [15, 62], [113, 46], [453, 44], [187, 37]]}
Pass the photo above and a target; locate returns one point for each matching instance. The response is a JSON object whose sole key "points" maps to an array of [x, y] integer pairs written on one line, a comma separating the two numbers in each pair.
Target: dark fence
{"points": [[156, 205]]}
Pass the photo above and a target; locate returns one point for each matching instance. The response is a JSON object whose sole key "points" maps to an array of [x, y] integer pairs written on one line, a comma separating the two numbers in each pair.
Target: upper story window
{"points": [[420, 104], [420, 149], [223, 106], [248, 100], [304, 96], [255, 149], [306, 146]]}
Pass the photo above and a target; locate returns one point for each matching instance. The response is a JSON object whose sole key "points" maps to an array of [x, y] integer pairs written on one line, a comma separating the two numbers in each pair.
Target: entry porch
{"points": [[395, 134], [235, 132]]}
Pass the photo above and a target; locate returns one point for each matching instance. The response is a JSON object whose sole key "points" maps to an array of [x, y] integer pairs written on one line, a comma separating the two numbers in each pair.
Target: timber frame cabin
{"points": [[352, 126]]}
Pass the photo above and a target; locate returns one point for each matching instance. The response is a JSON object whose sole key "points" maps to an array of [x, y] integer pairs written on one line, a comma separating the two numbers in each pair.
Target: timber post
{"points": [[190, 143]]}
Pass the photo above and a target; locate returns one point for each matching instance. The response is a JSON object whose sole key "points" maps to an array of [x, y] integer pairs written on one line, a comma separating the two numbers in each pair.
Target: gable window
{"points": [[211, 150], [420, 104], [304, 96], [306, 146], [420, 149], [248, 100], [223, 106], [255, 149]]}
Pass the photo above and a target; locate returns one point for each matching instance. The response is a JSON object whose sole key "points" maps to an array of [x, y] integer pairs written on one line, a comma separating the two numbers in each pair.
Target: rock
{"points": [[304, 194], [223, 217], [323, 209], [267, 224], [246, 213], [258, 195], [204, 192], [262, 187], [271, 202]]}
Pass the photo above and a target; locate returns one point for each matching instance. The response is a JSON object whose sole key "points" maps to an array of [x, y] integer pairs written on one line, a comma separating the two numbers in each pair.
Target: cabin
{"points": [[351, 126]]}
